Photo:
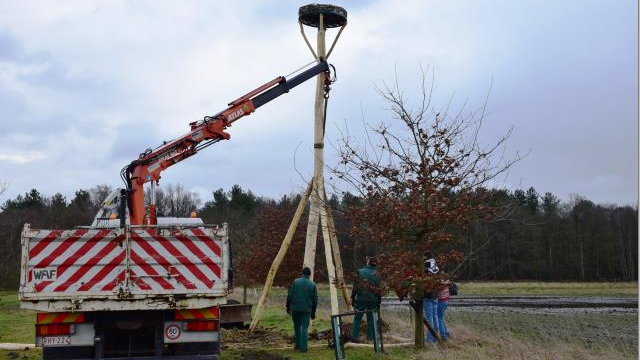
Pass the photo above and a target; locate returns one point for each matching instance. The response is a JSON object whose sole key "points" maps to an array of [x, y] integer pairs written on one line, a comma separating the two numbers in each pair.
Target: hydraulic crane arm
{"points": [[203, 133]]}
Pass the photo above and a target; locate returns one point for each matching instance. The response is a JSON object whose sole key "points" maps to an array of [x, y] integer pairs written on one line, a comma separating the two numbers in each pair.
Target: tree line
{"points": [[532, 237]]}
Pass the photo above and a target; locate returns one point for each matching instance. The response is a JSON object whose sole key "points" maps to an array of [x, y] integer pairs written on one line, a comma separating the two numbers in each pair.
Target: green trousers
{"points": [[362, 306], [301, 329]]}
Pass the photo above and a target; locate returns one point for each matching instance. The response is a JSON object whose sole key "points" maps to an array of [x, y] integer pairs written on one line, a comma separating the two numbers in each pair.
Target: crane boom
{"points": [[203, 133]]}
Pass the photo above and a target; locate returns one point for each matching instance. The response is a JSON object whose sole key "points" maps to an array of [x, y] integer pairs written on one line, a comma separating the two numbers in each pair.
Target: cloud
{"points": [[20, 157], [93, 84]]}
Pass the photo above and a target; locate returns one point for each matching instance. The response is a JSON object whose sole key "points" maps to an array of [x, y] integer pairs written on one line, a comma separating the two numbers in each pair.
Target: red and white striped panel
{"points": [[76, 260], [175, 261]]}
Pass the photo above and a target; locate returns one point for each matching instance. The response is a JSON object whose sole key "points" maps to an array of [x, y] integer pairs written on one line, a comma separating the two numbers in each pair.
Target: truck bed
{"points": [[133, 268]]}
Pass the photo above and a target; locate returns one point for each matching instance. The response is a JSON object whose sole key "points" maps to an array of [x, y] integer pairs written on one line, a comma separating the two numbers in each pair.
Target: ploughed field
{"points": [[536, 304], [507, 320]]}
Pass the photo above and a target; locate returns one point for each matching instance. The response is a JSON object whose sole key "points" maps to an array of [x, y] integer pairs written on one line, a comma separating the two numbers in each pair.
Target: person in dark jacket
{"points": [[365, 296], [302, 302]]}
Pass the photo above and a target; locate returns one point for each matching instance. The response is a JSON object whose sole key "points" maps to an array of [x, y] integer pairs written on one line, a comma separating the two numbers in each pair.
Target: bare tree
{"points": [[174, 200], [4, 185], [421, 175], [99, 193]]}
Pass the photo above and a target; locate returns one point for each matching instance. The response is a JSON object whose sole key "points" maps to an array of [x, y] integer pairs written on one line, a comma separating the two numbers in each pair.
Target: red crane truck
{"points": [[132, 285]]}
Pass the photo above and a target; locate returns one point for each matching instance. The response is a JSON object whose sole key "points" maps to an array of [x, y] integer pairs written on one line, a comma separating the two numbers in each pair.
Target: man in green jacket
{"points": [[365, 296], [302, 301]]}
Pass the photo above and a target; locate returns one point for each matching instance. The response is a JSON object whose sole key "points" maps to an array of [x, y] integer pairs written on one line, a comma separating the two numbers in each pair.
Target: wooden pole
{"points": [[278, 260], [318, 175], [318, 157]]}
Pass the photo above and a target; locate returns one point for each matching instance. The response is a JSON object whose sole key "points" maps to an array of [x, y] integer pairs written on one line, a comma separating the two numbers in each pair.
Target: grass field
{"points": [[498, 336], [16, 326], [622, 289], [475, 335], [550, 288]]}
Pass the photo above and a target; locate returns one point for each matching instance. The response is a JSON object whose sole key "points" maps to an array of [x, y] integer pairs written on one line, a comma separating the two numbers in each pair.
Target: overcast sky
{"points": [[85, 86]]}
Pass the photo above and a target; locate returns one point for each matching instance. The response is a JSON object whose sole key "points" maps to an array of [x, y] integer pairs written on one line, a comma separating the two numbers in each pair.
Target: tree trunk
{"points": [[581, 260], [418, 297], [580, 241], [244, 294], [622, 261], [469, 268], [632, 267], [419, 328]]}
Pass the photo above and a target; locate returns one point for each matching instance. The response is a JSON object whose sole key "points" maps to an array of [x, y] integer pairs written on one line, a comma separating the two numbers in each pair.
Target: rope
{"points": [[327, 89], [324, 116]]}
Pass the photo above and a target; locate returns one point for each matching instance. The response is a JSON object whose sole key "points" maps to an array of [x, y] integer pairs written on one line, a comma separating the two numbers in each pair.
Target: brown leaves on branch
{"points": [[272, 223], [421, 177]]}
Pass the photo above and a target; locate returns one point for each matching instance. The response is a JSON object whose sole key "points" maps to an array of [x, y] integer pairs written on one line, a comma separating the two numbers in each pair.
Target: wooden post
{"points": [[278, 260], [318, 158], [319, 199]]}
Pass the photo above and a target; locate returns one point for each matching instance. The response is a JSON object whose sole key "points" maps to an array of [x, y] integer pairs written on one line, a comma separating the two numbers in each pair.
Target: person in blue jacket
{"points": [[302, 302]]}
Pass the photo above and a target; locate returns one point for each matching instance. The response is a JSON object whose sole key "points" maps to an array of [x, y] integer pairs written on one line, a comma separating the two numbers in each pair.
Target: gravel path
{"points": [[534, 304]]}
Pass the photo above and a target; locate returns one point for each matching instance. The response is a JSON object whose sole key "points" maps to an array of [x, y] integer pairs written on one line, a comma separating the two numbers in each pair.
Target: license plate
{"points": [[56, 340]]}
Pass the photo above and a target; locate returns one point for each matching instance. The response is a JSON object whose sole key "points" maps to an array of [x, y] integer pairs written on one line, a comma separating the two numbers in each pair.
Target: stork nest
{"points": [[333, 16]]}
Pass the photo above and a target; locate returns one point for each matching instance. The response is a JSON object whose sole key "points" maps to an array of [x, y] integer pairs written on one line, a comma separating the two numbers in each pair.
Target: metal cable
{"points": [[301, 68]]}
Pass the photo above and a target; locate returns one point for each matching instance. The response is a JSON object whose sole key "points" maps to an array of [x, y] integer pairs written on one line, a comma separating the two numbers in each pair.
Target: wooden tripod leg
{"points": [[337, 258], [312, 229], [328, 255], [278, 260]]}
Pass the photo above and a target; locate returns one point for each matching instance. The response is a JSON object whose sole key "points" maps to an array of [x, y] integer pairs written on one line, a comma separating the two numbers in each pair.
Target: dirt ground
{"points": [[260, 355], [261, 337], [275, 338]]}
